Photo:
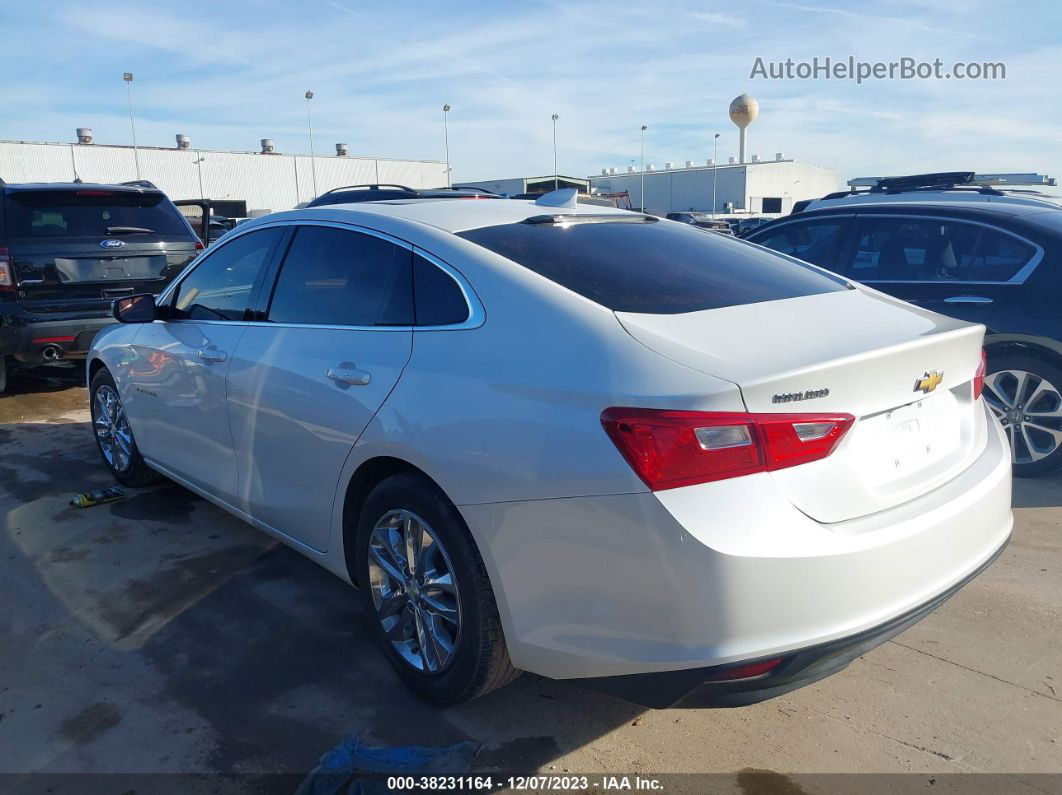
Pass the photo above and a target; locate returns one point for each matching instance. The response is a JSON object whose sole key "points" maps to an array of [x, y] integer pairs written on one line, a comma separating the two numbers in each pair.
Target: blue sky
{"points": [[229, 73]]}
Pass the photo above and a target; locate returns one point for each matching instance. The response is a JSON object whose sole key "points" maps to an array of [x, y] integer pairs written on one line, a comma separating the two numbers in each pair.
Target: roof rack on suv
{"points": [[375, 186], [949, 179], [957, 184]]}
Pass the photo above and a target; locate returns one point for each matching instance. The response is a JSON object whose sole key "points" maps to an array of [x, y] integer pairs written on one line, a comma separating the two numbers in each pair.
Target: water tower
{"points": [[743, 111]]}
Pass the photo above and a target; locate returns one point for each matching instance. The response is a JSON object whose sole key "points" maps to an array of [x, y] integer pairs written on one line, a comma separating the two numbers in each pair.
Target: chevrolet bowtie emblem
{"points": [[930, 381]]}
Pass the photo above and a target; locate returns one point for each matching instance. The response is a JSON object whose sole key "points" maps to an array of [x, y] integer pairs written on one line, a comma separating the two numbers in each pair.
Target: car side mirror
{"points": [[135, 308]]}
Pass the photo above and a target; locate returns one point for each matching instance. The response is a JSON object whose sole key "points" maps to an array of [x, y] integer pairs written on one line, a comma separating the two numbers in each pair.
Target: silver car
{"points": [[582, 442]]}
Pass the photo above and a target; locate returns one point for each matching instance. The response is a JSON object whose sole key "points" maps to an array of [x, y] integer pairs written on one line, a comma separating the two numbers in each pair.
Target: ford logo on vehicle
{"points": [[112, 243]]}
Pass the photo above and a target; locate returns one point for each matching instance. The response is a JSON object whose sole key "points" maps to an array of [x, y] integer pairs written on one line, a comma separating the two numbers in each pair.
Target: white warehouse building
{"points": [[264, 180], [757, 187]]}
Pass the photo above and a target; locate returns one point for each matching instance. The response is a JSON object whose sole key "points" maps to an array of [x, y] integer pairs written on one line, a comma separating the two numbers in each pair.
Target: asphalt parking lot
{"points": [[159, 634]]}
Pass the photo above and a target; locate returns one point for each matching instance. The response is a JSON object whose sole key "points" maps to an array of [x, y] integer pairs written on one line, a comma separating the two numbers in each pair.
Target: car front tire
{"points": [[114, 436], [1025, 394], [427, 594]]}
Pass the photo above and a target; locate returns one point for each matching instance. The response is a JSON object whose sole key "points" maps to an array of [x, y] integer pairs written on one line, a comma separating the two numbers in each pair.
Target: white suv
{"points": [[581, 442]]}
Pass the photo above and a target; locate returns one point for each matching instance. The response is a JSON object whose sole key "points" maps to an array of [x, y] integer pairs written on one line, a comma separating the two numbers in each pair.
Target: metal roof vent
{"points": [[689, 164], [755, 158], [184, 141], [711, 162], [668, 166], [779, 156], [731, 160], [267, 146], [604, 172], [650, 167], [630, 169], [612, 171], [341, 150], [84, 135]]}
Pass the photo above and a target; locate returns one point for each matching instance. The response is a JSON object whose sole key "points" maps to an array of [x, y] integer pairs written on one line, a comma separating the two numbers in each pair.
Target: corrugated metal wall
{"points": [[680, 189], [744, 185], [276, 182]]}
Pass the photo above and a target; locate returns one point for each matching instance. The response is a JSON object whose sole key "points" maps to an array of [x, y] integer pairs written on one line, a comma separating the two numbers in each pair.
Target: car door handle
{"points": [[210, 355], [967, 299], [348, 375]]}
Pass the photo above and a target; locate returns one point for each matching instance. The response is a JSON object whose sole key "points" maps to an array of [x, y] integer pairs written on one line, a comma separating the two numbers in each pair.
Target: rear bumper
{"points": [[710, 687], [34, 338], [707, 577]]}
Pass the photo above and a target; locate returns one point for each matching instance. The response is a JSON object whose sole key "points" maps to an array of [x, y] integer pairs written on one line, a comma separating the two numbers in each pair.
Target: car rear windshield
{"points": [[92, 213], [653, 267]]}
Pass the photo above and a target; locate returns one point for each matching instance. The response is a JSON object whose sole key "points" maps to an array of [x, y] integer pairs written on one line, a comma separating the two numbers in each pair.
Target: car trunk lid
{"points": [[903, 372]]}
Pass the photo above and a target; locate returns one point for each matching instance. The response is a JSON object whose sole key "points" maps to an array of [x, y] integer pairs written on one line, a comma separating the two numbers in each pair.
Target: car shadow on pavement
{"points": [[1039, 492], [267, 655]]}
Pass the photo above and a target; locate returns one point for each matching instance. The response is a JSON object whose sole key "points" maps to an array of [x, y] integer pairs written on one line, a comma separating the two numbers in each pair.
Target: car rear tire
{"points": [[114, 437], [1025, 394], [427, 594]]}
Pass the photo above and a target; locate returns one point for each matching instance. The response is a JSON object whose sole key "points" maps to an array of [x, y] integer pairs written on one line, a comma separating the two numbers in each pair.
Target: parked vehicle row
{"points": [[582, 442]]}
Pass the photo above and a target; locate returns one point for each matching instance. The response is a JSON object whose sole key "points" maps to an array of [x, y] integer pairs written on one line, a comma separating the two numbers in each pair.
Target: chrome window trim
{"points": [[476, 313], [1020, 277]]}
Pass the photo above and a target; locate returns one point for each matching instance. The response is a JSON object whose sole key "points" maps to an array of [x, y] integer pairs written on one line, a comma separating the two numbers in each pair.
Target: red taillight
{"points": [[979, 376], [668, 449], [199, 245], [93, 193], [7, 275]]}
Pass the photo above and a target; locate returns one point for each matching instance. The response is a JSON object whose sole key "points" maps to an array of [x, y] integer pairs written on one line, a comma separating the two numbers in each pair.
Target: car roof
{"points": [[445, 214], [972, 209]]}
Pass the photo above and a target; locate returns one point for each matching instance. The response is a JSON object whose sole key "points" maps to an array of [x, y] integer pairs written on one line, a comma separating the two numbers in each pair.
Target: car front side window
{"points": [[816, 241], [220, 286], [340, 277]]}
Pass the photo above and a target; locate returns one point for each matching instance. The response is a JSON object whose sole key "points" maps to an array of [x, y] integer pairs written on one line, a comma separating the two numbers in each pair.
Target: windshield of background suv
{"points": [[653, 267], [91, 213]]}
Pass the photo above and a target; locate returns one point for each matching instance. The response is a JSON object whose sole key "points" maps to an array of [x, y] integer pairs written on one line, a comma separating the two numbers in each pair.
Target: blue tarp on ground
{"points": [[335, 774]]}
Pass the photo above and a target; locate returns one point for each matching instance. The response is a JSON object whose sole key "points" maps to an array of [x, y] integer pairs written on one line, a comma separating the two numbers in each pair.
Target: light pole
{"points": [[641, 191], [446, 143], [556, 182], [715, 171], [128, 78], [309, 127], [199, 165]]}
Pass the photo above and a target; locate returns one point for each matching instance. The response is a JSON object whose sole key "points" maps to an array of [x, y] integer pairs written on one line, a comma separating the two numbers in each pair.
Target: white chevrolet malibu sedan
{"points": [[587, 443]]}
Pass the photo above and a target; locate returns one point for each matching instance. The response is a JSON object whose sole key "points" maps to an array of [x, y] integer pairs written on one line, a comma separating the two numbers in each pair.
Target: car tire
{"points": [[114, 437], [1034, 430], [3, 374], [444, 598]]}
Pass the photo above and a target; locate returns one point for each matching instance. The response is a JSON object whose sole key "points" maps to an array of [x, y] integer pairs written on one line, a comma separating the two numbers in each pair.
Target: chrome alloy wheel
{"points": [[1030, 409], [112, 429], [414, 590]]}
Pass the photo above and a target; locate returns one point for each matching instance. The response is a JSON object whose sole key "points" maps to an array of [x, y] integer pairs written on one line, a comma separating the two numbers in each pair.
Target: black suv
{"points": [[67, 250], [974, 252], [385, 192]]}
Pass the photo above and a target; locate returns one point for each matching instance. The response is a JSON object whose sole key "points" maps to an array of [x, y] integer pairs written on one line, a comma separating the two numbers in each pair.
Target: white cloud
{"points": [[229, 74]]}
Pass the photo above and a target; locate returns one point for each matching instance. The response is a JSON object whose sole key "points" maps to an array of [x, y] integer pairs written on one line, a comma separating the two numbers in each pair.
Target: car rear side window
{"points": [[933, 249], [652, 267], [818, 242], [337, 277], [89, 212], [219, 287], [439, 300]]}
